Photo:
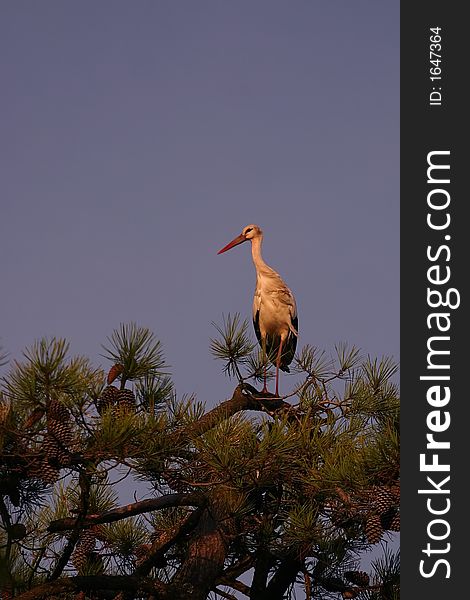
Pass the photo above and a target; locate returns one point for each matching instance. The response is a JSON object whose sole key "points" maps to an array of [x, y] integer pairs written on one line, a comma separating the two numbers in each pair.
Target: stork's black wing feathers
{"points": [[256, 326], [272, 344], [289, 347]]}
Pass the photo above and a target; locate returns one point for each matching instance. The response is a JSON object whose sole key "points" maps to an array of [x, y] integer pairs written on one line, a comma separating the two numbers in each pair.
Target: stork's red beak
{"points": [[238, 240]]}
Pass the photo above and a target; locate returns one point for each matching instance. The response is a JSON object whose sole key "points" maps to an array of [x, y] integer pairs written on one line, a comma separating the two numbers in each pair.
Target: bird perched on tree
{"points": [[274, 309]]}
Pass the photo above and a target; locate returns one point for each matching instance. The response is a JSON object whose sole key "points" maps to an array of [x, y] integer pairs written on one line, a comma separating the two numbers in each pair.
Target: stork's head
{"points": [[249, 232]]}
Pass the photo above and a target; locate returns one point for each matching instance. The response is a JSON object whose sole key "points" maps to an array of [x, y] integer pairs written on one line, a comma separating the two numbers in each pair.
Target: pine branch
{"points": [[263, 564], [283, 578], [243, 398], [224, 594], [235, 570], [204, 560], [4, 514], [6, 578], [240, 587], [138, 585], [85, 488], [167, 540], [136, 350], [130, 510], [234, 345]]}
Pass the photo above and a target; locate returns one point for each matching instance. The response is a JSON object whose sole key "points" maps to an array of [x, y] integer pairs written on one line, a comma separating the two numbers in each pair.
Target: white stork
{"points": [[274, 310]]}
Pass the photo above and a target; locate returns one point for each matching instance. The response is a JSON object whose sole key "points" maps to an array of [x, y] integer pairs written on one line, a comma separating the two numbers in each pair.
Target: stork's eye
{"points": [[248, 230]]}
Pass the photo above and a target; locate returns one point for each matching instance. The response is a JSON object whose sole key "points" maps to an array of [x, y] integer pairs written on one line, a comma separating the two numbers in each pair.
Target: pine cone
{"points": [[114, 372], [395, 522], [99, 531], [360, 578], [126, 400], [173, 480], [57, 411], [44, 471], [383, 500], [373, 529], [50, 474], [342, 517], [108, 398], [61, 431], [55, 452], [84, 548], [50, 447], [395, 489], [386, 518]]}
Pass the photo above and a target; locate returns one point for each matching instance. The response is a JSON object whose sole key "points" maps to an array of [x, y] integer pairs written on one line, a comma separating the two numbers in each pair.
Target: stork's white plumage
{"points": [[274, 309]]}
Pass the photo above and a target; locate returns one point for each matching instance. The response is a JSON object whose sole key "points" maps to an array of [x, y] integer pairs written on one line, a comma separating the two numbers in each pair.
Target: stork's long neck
{"points": [[258, 261]]}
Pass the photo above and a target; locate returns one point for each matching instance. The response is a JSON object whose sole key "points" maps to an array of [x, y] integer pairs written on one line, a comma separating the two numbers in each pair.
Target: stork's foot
{"points": [[266, 395]]}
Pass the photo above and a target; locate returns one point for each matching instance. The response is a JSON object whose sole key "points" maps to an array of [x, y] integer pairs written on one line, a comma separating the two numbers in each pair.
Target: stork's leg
{"points": [[278, 362], [265, 361]]}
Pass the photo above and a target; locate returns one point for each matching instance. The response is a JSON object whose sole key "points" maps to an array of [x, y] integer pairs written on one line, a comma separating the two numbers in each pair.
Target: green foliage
{"points": [[184, 410], [123, 537], [348, 358], [234, 346], [386, 571], [48, 373], [102, 497], [115, 433], [154, 391], [287, 481], [302, 525], [137, 350], [257, 365], [315, 362]]}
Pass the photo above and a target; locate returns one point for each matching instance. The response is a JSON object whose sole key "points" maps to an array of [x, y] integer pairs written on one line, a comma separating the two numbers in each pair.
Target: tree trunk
{"points": [[283, 578], [204, 563]]}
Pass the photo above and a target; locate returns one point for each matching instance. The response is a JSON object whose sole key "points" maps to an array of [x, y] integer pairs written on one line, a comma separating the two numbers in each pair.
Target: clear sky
{"points": [[138, 138]]}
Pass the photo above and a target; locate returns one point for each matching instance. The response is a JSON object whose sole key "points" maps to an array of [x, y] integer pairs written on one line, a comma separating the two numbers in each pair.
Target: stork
{"points": [[274, 309]]}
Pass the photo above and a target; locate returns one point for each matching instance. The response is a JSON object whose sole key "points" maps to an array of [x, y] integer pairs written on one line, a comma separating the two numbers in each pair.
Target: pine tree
{"points": [[282, 493]]}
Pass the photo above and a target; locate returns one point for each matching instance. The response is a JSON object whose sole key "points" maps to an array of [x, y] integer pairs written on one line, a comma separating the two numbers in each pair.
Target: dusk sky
{"points": [[138, 138]]}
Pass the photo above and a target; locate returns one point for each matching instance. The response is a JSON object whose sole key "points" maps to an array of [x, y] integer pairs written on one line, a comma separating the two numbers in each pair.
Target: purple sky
{"points": [[138, 138]]}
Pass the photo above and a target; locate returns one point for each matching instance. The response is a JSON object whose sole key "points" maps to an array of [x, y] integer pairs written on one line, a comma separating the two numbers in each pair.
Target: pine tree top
{"points": [[287, 489]]}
